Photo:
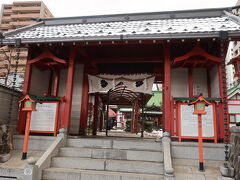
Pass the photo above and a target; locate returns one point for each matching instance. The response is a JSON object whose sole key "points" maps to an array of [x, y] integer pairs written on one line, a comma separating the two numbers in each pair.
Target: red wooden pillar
{"points": [[167, 89], [190, 82], [163, 108], [27, 79], [69, 89], [95, 116], [25, 142], [26, 86], [84, 106]]}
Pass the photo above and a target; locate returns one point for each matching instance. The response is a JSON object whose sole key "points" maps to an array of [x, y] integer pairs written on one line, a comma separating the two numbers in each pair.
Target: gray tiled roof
{"points": [[152, 28]]}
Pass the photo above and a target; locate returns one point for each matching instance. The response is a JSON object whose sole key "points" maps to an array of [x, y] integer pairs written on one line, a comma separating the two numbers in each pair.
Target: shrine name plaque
{"points": [[44, 118], [189, 122]]}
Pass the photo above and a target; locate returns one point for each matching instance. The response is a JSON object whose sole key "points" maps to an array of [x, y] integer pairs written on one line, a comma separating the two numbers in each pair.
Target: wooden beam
{"points": [[69, 89], [83, 53], [198, 51], [47, 54], [127, 60]]}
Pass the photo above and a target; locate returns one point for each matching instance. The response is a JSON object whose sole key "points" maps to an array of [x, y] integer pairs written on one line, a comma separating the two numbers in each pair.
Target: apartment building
{"points": [[233, 51], [14, 16], [22, 13]]}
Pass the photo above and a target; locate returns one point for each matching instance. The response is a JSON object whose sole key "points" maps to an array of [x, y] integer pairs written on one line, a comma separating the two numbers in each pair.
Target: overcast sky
{"points": [[60, 8]]}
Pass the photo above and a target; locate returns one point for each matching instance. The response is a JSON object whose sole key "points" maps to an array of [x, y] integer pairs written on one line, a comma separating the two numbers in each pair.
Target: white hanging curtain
{"points": [[141, 83]]}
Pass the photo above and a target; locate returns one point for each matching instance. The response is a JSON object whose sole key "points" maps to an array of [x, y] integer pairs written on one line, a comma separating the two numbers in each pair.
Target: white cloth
{"points": [[141, 83]]}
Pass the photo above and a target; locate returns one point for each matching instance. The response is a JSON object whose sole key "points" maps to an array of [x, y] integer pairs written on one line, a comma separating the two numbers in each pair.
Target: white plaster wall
{"points": [[233, 109], [214, 80], [39, 81], [233, 101], [200, 81], [230, 68], [77, 96], [76, 99], [179, 82], [62, 82]]}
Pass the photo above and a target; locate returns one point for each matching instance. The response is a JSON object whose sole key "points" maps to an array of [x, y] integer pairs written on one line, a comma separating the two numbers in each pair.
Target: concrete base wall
{"points": [[8, 96], [189, 150], [36, 143]]}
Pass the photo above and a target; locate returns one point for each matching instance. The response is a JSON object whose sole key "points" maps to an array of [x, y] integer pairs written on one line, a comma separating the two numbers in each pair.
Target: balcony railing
{"points": [[22, 23], [27, 9], [6, 19], [25, 16]]}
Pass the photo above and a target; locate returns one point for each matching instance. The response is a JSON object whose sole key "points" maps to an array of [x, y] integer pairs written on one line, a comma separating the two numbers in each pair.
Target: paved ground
{"points": [[15, 160], [186, 169]]}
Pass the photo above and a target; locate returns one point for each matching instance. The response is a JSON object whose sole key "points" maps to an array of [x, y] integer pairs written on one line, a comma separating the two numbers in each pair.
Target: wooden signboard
{"points": [[44, 120], [188, 122]]}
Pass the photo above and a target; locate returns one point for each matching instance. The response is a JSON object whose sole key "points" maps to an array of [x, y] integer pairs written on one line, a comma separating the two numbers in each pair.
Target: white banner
{"points": [[141, 83]]}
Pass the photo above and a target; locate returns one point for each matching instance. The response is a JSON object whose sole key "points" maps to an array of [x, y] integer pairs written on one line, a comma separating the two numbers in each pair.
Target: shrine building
{"points": [[78, 66]]}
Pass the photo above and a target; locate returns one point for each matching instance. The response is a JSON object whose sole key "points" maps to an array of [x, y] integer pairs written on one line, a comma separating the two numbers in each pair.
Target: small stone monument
{"points": [[4, 143]]}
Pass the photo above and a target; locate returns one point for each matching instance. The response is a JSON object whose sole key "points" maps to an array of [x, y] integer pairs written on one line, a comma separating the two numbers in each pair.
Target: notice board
{"points": [[189, 122], [45, 118]]}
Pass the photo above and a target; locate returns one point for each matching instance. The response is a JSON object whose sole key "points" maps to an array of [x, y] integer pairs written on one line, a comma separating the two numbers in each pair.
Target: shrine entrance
{"points": [[111, 92]]}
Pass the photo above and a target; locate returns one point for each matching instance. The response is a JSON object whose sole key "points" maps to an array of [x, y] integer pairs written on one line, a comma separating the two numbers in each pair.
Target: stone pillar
{"points": [[234, 157], [231, 168], [167, 157], [30, 170]]}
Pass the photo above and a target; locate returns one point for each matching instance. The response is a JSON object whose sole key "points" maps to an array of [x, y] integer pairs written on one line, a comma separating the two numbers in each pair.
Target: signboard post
{"points": [[199, 109], [29, 105]]}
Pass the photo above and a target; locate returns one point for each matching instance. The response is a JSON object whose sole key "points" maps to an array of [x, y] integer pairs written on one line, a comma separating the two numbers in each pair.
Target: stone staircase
{"points": [[107, 159]]}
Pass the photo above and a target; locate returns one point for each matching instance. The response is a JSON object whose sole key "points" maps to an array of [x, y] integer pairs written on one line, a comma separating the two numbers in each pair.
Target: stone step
{"points": [[108, 165], [136, 144], [78, 174], [115, 154]]}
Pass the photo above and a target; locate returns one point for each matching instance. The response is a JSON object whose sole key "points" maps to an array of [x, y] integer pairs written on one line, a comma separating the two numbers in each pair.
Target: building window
{"points": [[232, 118]]}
